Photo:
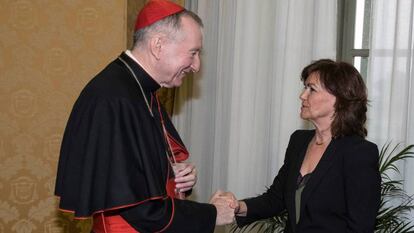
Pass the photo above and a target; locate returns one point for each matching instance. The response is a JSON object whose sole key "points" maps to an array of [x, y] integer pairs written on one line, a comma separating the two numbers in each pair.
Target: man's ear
{"points": [[156, 46]]}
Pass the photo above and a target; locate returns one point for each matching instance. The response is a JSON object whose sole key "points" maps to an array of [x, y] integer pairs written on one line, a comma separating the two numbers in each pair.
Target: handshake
{"points": [[227, 207], [226, 203]]}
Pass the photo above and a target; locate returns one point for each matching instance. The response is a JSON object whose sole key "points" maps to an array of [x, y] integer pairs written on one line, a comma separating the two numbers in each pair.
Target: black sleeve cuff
{"points": [[190, 217]]}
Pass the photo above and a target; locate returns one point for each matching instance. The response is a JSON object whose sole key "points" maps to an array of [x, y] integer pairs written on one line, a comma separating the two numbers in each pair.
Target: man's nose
{"points": [[195, 66]]}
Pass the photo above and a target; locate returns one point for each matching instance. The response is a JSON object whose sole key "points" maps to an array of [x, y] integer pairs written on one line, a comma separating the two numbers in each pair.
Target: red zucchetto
{"points": [[156, 10]]}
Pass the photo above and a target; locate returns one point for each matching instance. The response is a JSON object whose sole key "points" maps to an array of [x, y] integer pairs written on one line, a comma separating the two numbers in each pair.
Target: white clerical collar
{"points": [[129, 53]]}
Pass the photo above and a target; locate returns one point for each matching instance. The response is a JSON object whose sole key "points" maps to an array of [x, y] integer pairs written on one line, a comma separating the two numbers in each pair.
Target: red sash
{"points": [[111, 224]]}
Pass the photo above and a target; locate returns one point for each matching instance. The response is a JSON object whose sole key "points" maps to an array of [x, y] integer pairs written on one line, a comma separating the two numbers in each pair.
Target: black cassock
{"points": [[113, 156]]}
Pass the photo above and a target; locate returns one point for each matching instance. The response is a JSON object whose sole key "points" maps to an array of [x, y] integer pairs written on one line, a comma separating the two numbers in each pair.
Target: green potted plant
{"points": [[396, 204]]}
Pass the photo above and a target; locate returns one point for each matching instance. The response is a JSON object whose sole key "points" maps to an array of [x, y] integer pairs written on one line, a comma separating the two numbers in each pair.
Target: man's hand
{"points": [[185, 176], [225, 203]]}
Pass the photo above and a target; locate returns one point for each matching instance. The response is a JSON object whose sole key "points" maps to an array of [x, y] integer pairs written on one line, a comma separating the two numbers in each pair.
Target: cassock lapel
{"points": [[320, 171], [299, 154]]}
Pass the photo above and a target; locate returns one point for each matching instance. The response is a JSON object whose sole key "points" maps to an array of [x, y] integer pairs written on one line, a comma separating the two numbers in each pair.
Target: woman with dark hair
{"points": [[330, 180]]}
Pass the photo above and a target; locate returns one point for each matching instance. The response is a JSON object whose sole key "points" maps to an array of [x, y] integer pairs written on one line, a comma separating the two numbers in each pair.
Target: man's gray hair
{"points": [[169, 26]]}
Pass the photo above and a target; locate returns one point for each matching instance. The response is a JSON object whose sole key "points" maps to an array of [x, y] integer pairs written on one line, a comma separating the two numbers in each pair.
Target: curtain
{"points": [[236, 115], [389, 82]]}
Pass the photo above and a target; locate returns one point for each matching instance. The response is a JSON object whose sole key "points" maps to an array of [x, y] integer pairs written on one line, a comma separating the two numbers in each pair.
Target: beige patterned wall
{"points": [[49, 49]]}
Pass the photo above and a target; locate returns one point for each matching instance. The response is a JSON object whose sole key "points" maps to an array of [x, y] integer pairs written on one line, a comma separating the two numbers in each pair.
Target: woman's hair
{"points": [[344, 82]]}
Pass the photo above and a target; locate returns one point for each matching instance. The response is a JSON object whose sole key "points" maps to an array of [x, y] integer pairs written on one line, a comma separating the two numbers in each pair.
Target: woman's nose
{"points": [[303, 95]]}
